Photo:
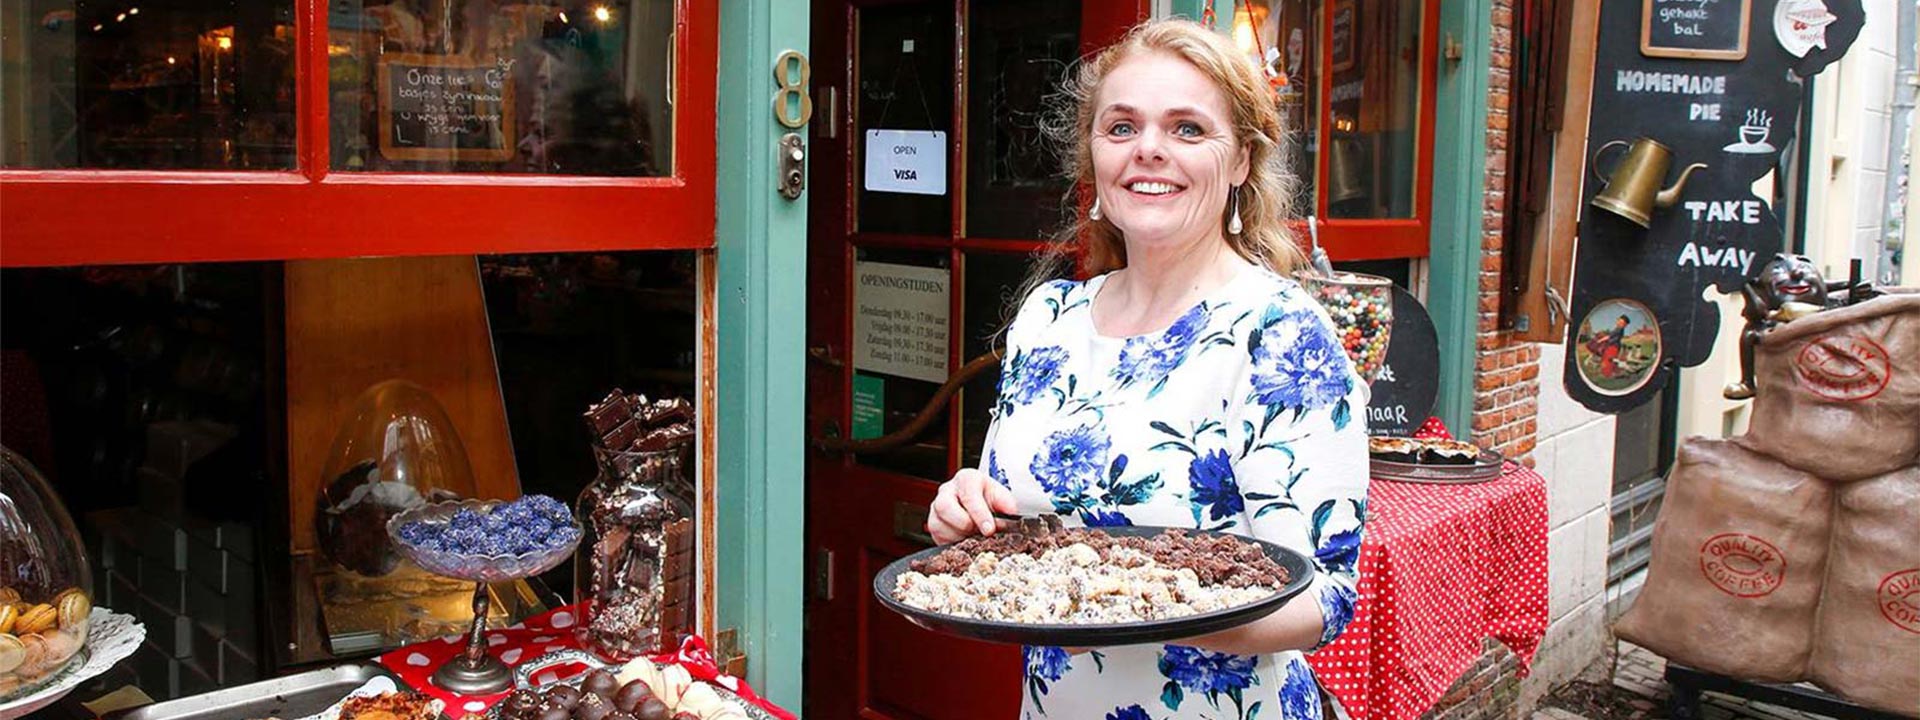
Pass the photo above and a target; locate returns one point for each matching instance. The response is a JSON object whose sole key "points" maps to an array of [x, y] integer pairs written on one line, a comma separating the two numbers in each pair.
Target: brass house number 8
{"points": [[793, 107]]}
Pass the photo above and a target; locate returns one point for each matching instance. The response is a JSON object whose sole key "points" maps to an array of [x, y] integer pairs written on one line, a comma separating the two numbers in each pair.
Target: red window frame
{"points": [[1366, 239], [79, 216]]}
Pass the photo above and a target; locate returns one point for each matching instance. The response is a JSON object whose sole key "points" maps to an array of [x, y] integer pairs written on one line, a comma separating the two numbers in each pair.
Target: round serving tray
{"points": [[1486, 467], [1299, 570], [524, 677]]}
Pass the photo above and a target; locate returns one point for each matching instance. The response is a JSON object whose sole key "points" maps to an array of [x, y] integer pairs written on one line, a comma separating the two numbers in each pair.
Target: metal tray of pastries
{"points": [[1451, 462]]}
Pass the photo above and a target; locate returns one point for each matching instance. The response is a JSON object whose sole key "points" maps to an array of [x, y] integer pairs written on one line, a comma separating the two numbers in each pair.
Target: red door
{"points": [[931, 188]]}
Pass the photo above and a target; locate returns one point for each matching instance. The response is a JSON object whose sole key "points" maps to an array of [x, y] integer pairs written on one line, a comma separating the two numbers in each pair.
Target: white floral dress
{"points": [[1244, 415]]}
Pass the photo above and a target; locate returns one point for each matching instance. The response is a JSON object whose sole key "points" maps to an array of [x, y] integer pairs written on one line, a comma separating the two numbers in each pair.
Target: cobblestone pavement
{"points": [[1639, 690]]}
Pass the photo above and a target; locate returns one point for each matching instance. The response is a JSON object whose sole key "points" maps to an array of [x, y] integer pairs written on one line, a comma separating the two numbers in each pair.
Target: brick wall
{"points": [[1506, 372]]}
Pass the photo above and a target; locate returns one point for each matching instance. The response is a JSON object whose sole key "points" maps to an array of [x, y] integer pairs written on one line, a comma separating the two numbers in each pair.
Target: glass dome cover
{"points": [[46, 588], [397, 450]]}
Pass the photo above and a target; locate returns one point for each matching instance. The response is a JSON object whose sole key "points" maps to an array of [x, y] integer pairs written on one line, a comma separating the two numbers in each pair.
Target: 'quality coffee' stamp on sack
{"points": [[1742, 565], [1900, 599], [1843, 368]]}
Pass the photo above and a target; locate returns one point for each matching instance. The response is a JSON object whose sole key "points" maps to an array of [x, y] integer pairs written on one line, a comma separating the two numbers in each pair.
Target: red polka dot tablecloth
{"points": [[538, 636], [1441, 567]]}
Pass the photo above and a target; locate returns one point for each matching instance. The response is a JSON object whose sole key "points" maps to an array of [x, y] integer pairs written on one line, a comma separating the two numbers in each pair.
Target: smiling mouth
{"points": [[1153, 189], [1796, 288]]}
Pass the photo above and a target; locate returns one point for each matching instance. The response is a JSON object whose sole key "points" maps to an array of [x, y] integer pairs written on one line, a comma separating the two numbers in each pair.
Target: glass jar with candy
{"points": [[634, 569]]}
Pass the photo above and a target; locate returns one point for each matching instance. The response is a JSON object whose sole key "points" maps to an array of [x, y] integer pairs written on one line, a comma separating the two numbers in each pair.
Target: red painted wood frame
{"points": [[1354, 239], [68, 217]]}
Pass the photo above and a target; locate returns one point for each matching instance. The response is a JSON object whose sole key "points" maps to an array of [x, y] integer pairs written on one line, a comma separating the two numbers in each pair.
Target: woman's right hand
{"points": [[965, 507]]}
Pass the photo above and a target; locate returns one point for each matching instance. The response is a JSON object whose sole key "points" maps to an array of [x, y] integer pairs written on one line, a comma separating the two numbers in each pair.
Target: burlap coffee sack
{"points": [[1739, 552], [1839, 390], [1868, 633]]}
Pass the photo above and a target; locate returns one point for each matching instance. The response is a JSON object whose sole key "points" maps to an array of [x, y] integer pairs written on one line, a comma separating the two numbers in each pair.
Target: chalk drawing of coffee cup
{"points": [[1753, 135]]}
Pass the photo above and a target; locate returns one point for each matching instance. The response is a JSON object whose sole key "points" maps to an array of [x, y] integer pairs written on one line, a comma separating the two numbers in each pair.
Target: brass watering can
{"points": [[1633, 190]]}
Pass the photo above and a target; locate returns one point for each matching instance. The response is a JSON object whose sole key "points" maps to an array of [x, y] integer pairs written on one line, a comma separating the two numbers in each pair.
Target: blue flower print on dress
{"points": [[1340, 552], [1214, 489], [1336, 611], [1071, 460], [1297, 365], [1096, 517], [1029, 375], [1149, 360], [994, 471], [1044, 665], [1130, 712], [1213, 674], [1299, 695]]}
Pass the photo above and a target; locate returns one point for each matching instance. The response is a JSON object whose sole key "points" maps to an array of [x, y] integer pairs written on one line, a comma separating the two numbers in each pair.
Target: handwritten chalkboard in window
{"points": [[1697, 29], [443, 108], [1342, 47]]}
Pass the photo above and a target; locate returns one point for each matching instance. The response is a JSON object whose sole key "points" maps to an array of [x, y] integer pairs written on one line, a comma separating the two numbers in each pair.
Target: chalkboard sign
{"points": [[1343, 40], [1698, 29], [1404, 392], [435, 107]]}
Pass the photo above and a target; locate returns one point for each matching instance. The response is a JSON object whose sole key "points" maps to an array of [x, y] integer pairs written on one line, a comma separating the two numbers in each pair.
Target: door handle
{"points": [[910, 523]]}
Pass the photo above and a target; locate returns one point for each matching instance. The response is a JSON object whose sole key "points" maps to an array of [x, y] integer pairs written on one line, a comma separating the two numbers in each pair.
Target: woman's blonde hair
{"points": [[1265, 200]]}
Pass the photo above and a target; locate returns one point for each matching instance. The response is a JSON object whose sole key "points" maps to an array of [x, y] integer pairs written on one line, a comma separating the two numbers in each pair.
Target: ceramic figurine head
{"points": [[1791, 278]]}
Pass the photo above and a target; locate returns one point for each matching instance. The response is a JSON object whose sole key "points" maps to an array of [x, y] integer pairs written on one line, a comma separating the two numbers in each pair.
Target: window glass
{"points": [[885, 398], [1018, 53], [205, 85], [1374, 105], [501, 86], [904, 75], [992, 280]]}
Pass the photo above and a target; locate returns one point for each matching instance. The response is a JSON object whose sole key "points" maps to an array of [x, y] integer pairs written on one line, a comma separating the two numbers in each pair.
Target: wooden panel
{"points": [[1550, 261], [353, 323]]}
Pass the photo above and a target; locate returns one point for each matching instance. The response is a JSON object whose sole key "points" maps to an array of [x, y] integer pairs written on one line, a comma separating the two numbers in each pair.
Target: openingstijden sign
{"points": [[900, 320]]}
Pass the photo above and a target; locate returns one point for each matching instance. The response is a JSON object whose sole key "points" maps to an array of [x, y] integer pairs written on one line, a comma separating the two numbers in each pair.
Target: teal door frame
{"points": [[1459, 188], [761, 242]]}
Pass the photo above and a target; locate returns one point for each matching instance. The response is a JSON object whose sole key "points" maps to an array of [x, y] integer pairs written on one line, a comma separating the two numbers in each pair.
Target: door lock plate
{"points": [[792, 174]]}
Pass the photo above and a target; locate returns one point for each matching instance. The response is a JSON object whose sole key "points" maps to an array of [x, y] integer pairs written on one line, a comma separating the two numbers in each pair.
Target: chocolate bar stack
{"points": [[635, 576]]}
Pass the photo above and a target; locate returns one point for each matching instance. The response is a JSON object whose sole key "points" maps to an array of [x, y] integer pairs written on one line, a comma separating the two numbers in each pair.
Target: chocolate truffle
{"points": [[593, 706], [631, 695], [564, 696], [600, 682], [550, 712], [652, 709]]}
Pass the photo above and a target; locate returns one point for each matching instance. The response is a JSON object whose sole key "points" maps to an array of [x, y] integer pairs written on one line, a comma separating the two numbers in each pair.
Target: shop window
{"points": [[354, 128], [1354, 82], [496, 87], [188, 86]]}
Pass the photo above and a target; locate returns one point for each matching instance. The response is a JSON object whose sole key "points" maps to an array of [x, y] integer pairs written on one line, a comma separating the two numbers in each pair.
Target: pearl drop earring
{"points": [[1093, 213], [1233, 223]]}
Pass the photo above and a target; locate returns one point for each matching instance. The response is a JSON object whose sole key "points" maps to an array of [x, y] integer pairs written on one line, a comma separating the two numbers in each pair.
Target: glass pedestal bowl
{"points": [[475, 672]]}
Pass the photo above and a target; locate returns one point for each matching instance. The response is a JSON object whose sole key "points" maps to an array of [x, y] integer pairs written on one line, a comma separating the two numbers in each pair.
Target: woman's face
{"points": [[1164, 154]]}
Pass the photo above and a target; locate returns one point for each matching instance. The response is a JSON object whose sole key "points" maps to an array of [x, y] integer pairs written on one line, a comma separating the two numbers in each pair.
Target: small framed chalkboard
{"points": [[1695, 29], [1343, 46], [435, 107]]}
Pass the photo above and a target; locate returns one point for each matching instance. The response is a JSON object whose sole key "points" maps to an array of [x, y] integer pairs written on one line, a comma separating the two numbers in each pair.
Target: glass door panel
{"points": [[900, 354], [1018, 51], [992, 281], [903, 69]]}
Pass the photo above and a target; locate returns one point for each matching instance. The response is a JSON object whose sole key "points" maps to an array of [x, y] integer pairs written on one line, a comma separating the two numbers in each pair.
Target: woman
{"points": [[1188, 383]]}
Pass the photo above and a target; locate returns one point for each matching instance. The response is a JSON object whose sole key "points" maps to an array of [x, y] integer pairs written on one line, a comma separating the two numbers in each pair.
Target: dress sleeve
{"points": [[1302, 463]]}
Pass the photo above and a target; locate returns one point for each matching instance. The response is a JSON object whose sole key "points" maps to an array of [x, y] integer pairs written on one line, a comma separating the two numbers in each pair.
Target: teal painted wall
{"points": [[761, 239]]}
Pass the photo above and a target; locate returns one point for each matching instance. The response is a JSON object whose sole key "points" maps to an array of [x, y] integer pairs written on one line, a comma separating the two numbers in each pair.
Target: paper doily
{"points": [[111, 637]]}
